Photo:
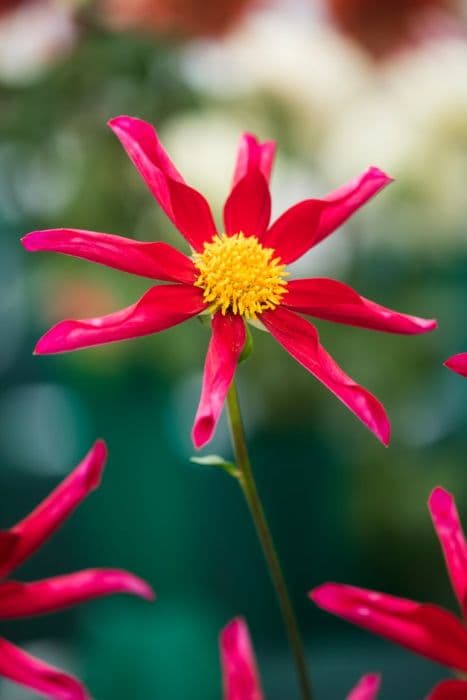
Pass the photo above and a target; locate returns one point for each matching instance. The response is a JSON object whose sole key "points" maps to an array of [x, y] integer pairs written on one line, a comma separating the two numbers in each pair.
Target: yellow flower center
{"points": [[239, 276]]}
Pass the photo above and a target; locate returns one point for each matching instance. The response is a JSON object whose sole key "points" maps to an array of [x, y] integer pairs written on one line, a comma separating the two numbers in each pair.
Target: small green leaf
{"points": [[216, 461]]}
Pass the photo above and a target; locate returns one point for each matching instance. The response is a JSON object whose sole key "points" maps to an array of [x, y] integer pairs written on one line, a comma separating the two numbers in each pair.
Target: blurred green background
{"points": [[341, 506]]}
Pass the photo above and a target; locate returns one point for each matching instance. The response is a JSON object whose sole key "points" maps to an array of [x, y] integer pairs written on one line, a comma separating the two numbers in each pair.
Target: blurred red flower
{"points": [[184, 17], [424, 628], [240, 674], [381, 27], [235, 276], [18, 600]]}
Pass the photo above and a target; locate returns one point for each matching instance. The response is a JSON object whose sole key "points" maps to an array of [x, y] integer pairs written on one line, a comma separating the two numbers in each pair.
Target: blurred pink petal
{"points": [[248, 208], [26, 670], [159, 308], [300, 339], [154, 260], [240, 675], [54, 594], [335, 301], [458, 363], [426, 629], [449, 690], [186, 207], [226, 344], [367, 688], [446, 521], [253, 155], [29, 534]]}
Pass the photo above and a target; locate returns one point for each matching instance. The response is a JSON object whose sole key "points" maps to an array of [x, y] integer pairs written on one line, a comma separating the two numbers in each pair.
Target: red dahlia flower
{"points": [[458, 363], [184, 17], [424, 628], [241, 679], [381, 27], [19, 600], [236, 276]]}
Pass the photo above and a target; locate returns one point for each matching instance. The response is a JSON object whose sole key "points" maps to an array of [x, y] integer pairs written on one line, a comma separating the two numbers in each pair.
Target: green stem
{"points": [[247, 482]]}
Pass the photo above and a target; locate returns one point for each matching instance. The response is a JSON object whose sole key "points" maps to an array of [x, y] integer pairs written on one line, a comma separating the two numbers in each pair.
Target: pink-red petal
{"points": [[240, 675], [304, 225], [346, 200], [425, 629], [334, 301], [54, 594], [154, 260], [451, 536], [300, 339], [47, 680], [294, 232], [31, 532], [458, 363], [367, 688], [449, 690], [160, 308], [226, 344], [253, 155], [186, 207], [248, 207]]}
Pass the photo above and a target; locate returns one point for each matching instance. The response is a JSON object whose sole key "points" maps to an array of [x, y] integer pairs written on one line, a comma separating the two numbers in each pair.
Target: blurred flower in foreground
{"points": [[19, 600], [240, 674], [33, 34], [424, 628], [184, 17], [234, 276], [381, 27]]}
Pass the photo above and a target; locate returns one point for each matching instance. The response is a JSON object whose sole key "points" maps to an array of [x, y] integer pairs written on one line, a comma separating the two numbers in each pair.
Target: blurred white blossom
{"points": [[32, 36]]}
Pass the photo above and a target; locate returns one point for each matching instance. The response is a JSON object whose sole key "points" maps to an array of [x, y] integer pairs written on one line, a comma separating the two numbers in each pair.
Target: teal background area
{"points": [[341, 507]]}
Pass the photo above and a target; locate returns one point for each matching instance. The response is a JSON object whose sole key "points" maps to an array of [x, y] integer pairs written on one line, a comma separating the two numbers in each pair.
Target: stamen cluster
{"points": [[240, 276]]}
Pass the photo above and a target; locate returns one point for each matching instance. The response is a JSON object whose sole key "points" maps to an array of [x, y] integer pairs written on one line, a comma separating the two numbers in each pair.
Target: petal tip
{"points": [[94, 464], [202, 431], [440, 501]]}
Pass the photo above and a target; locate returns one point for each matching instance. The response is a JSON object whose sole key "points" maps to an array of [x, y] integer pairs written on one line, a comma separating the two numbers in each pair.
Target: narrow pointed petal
{"points": [[294, 232], [334, 301], [346, 200], [425, 629], [226, 344], [240, 675], [451, 536], [253, 155], [367, 688], [449, 690], [154, 260], [307, 223], [184, 206], [31, 532], [54, 594], [158, 309], [458, 364], [47, 680], [248, 207], [300, 339]]}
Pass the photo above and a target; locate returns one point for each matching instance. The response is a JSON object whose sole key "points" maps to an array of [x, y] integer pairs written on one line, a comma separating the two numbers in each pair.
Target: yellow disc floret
{"points": [[240, 276]]}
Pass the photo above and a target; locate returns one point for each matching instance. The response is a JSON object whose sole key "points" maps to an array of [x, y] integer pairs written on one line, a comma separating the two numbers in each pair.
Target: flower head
{"points": [[424, 628], [179, 16], [240, 674], [236, 275], [383, 27], [18, 600]]}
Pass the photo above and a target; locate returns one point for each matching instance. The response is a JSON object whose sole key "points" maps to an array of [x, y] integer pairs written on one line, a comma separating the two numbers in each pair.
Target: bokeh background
{"points": [[341, 85]]}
